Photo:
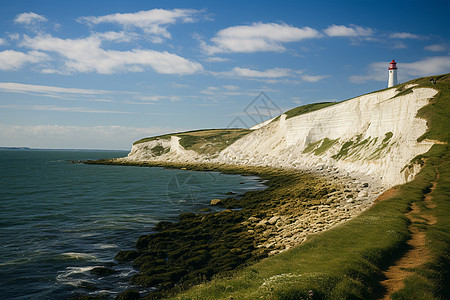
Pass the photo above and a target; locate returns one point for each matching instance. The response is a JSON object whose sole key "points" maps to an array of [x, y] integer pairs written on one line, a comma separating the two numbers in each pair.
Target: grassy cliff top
{"points": [[304, 109], [204, 141]]}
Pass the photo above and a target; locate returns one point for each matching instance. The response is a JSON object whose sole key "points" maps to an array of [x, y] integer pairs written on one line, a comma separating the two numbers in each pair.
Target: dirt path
{"points": [[418, 253]]}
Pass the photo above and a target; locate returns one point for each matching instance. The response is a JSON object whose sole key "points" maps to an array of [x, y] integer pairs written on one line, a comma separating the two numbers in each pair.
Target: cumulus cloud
{"points": [[87, 55], [152, 22], [348, 31], [257, 37], [13, 60], [426, 67], [29, 18]]}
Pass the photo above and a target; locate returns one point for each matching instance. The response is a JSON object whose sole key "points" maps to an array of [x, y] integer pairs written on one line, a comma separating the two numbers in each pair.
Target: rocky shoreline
{"points": [[258, 224], [291, 227]]}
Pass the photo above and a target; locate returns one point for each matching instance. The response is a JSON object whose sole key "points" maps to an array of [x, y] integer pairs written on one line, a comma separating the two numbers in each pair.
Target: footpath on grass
{"points": [[418, 253]]}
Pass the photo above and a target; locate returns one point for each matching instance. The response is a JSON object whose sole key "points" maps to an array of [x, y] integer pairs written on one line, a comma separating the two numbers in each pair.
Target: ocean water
{"points": [[59, 220]]}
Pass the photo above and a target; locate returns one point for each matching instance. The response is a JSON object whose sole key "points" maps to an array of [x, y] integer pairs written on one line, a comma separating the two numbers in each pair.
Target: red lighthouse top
{"points": [[393, 65]]}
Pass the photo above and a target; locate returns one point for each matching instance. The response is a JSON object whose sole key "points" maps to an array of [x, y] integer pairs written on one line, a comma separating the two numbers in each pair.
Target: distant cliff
{"points": [[375, 135]]}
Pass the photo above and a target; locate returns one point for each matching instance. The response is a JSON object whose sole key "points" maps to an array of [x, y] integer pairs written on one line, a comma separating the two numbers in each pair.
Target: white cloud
{"points": [[376, 71], [77, 137], [224, 91], [428, 66], [47, 90], [269, 73], [86, 55], [2, 42], [13, 60], [61, 108], [211, 90], [398, 45], [257, 37], [314, 78], [405, 35], [230, 87], [348, 31], [152, 22], [216, 59], [14, 36], [275, 75], [115, 36], [29, 18], [436, 47], [62, 93], [155, 98]]}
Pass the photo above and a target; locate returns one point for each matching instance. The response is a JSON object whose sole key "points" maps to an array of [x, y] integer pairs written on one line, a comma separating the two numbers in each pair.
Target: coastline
{"points": [[296, 205], [348, 260]]}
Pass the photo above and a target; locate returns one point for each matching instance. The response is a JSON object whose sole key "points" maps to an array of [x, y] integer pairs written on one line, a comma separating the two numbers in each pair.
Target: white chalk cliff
{"points": [[374, 135]]}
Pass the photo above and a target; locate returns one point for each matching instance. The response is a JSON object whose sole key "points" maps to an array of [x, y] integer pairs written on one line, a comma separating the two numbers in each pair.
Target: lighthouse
{"points": [[392, 74]]}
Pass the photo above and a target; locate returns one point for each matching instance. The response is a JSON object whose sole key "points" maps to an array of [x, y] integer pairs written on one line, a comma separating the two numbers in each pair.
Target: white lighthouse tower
{"points": [[392, 74]]}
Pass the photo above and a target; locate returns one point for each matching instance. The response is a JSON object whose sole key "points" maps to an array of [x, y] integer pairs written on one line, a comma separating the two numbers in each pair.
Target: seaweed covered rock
{"points": [[126, 255], [130, 294], [193, 250]]}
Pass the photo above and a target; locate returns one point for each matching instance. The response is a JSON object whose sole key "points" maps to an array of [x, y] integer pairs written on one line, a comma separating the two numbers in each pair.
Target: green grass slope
{"points": [[304, 109], [205, 141], [347, 261]]}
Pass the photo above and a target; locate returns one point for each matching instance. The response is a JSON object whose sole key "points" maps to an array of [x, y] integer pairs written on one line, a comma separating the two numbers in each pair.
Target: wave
{"points": [[106, 246], [77, 256], [74, 275], [15, 262]]}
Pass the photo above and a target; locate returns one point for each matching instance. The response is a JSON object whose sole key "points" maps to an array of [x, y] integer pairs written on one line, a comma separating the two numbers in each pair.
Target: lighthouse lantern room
{"points": [[392, 74]]}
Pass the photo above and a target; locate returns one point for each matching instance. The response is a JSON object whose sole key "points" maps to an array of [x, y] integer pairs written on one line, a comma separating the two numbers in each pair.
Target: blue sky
{"points": [[102, 74]]}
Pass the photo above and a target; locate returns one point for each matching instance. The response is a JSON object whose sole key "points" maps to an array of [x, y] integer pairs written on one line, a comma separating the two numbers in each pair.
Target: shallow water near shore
{"points": [[60, 220]]}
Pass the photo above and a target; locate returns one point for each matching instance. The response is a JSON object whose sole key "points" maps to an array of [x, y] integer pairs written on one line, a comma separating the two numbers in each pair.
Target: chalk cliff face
{"points": [[165, 149], [373, 135]]}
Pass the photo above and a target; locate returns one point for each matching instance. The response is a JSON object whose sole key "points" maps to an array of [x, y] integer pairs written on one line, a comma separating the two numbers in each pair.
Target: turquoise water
{"points": [[59, 220]]}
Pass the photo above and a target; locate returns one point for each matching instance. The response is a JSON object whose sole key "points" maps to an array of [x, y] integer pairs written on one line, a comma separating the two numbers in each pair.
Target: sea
{"points": [[59, 220]]}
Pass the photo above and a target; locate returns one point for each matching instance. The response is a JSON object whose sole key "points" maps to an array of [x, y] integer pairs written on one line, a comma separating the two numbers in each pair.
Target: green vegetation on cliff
{"points": [[205, 141], [304, 109]]}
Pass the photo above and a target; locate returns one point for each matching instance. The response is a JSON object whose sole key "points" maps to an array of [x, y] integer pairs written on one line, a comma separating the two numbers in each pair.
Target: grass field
{"points": [[347, 261]]}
